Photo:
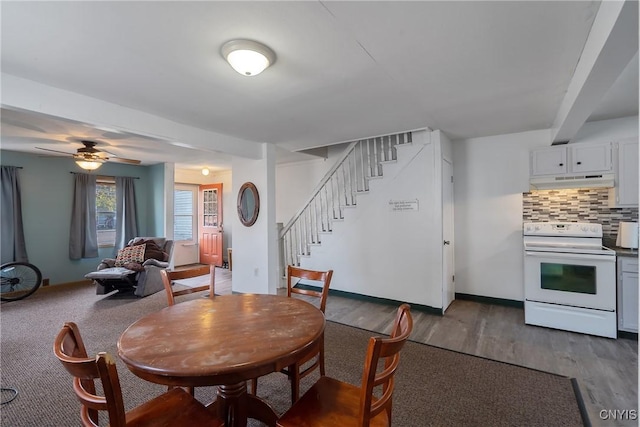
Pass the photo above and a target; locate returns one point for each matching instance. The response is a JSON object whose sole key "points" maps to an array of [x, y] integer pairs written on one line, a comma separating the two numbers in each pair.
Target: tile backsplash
{"points": [[577, 205]]}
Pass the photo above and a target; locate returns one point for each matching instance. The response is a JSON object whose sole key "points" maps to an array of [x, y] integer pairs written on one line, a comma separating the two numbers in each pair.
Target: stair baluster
{"points": [[361, 161]]}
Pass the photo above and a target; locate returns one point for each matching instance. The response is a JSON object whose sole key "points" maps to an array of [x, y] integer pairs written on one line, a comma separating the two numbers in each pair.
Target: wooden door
{"points": [[210, 224]]}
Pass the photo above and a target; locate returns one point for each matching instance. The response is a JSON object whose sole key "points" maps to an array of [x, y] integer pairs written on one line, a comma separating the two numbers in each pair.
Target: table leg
{"points": [[234, 405]]}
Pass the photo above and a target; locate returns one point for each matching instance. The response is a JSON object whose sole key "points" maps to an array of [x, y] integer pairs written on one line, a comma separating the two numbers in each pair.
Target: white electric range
{"points": [[569, 278]]}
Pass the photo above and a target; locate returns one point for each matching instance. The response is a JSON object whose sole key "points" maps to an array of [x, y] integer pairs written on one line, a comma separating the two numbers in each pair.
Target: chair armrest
{"points": [[106, 263], [155, 263]]}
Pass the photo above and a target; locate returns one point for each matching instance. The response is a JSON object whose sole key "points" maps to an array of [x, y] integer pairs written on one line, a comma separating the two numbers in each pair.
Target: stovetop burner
{"points": [[565, 237]]}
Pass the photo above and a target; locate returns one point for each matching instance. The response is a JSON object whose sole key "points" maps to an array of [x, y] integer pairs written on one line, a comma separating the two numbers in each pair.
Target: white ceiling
{"points": [[344, 70]]}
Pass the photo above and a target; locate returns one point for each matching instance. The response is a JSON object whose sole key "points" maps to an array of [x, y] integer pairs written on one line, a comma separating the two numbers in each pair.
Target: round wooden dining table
{"points": [[223, 341]]}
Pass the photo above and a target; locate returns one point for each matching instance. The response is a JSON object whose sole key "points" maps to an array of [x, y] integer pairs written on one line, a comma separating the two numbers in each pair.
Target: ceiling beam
{"points": [[23, 94], [611, 45]]}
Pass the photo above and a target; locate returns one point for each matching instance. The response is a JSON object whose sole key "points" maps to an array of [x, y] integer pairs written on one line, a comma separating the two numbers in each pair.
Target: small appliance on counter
{"points": [[627, 235]]}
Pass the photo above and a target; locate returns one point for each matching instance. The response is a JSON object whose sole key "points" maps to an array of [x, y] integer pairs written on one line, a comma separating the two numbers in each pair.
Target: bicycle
{"points": [[18, 280]]}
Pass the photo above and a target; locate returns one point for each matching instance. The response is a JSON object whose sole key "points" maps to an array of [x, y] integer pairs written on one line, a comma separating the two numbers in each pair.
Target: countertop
{"points": [[611, 244]]}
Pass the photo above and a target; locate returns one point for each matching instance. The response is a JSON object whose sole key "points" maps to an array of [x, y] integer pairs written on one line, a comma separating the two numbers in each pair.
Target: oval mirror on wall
{"points": [[248, 204]]}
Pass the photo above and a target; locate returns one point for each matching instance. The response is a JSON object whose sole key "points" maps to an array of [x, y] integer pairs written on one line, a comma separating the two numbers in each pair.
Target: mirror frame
{"points": [[253, 217]]}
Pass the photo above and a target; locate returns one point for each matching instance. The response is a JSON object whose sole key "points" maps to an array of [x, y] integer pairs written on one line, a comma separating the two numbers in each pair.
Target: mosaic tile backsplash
{"points": [[577, 205]]}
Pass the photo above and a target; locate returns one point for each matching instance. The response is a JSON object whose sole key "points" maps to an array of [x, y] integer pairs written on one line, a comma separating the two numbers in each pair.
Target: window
{"points": [[106, 211], [184, 200], [210, 206]]}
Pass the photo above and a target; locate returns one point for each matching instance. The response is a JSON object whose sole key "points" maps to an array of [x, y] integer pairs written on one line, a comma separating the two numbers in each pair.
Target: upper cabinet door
{"points": [[549, 161], [587, 157], [625, 193]]}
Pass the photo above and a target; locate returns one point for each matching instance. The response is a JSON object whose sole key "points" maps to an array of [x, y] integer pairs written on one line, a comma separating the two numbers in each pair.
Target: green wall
{"points": [[47, 192], [155, 219]]}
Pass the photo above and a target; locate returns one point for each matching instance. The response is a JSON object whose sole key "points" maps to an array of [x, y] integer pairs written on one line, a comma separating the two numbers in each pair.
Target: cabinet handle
{"points": [[578, 163], [561, 164]]}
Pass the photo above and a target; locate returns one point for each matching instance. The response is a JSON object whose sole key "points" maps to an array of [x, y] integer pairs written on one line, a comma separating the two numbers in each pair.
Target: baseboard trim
{"points": [[628, 335], [367, 298], [490, 300], [66, 285]]}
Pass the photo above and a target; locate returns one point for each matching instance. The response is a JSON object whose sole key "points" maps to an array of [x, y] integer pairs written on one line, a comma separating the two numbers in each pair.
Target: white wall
{"points": [[490, 175], [255, 248], [295, 183], [387, 254], [607, 130]]}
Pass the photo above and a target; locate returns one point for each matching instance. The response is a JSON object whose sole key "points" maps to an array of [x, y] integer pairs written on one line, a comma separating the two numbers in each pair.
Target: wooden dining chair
{"points": [[315, 359], [168, 277], [336, 403], [173, 408]]}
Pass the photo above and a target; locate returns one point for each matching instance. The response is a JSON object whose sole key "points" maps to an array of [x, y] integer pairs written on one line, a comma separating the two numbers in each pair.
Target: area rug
{"points": [[438, 387], [434, 387]]}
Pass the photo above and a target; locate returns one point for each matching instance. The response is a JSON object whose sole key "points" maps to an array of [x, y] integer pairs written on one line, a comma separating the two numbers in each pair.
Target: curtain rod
{"points": [[6, 166], [132, 177]]}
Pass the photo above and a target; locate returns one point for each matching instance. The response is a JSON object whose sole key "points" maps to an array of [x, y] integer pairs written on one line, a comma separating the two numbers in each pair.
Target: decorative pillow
{"points": [[130, 254]]}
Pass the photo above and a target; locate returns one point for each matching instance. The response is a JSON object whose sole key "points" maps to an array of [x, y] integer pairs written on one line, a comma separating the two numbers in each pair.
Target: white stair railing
{"points": [[361, 161]]}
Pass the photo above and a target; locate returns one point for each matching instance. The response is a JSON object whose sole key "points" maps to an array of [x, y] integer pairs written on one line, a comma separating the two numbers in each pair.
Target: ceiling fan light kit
{"points": [[89, 165], [89, 158], [248, 57]]}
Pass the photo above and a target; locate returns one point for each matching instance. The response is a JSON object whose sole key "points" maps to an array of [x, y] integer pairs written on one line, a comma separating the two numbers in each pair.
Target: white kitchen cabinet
{"points": [[628, 294], [590, 157], [549, 161], [625, 192], [578, 158]]}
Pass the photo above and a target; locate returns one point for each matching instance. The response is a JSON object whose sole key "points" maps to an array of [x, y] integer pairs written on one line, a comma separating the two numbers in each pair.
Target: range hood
{"points": [[572, 181]]}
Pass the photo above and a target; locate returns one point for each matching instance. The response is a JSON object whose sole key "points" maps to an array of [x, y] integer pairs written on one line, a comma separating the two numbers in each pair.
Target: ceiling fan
{"points": [[90, 158]]}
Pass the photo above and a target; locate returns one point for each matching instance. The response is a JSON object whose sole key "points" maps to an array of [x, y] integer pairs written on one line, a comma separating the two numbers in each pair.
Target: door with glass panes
{"points": [[210, 224]]}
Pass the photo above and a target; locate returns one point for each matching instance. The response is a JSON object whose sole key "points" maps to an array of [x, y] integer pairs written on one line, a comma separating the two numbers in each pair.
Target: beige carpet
{"points": [[435, 387]]}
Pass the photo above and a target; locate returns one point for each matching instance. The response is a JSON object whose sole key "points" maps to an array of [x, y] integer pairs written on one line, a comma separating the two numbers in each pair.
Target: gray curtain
{"points": [[83, 238], [126, 218], [13, 245]]}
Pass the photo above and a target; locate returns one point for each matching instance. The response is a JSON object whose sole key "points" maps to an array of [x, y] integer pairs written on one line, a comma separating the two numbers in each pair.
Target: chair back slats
{"points": [[312, 275], [169, 277], [69, 348], [112, 391], [373, 376]]}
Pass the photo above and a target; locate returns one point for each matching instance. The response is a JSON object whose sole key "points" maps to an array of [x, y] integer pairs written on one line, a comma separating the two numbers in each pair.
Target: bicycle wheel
{"points": [[18, 280]]}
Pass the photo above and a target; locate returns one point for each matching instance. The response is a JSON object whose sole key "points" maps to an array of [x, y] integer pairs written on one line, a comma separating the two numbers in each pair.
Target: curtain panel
{"points": [[83, 238], [13, 246], [126, 217]]}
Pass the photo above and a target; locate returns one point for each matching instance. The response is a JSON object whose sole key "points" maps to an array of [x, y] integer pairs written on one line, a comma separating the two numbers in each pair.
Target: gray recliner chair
{"points": [[147, 281]]}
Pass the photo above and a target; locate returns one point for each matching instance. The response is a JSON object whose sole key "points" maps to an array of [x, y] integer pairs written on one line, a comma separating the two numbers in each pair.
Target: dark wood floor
{"points": [[606, 369]]}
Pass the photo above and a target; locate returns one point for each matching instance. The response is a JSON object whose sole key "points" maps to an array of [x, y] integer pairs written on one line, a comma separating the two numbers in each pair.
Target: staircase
{"points": [[361, 162]]}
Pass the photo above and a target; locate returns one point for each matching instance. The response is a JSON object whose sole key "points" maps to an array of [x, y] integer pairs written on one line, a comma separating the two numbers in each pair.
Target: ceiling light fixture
{"points": [[89, 165], [205, 171], [248, 57]]}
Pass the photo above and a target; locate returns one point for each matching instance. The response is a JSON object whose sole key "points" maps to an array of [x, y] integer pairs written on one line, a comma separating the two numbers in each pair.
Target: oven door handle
{"points": [[571, 256]]}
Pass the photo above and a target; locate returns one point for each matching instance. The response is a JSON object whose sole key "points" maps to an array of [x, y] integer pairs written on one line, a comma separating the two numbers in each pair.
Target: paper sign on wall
{"points": [[403, 205]]}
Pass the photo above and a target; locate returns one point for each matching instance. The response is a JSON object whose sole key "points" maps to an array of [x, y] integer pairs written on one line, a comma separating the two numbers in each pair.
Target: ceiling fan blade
{"points": [[121, 160], [54, 151]]}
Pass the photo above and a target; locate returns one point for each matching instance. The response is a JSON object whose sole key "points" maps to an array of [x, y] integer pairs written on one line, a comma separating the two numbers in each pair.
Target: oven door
{"points": [[579, 280]]}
